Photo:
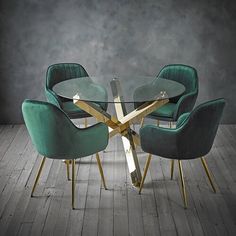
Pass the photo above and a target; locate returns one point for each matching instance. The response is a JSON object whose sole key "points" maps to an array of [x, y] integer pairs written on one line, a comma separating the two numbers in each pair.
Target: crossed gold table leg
{"points": [[121, 125]]}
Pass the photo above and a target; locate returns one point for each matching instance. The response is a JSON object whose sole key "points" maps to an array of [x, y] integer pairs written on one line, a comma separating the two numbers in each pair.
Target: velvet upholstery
{"points": [[187, 76], [192, 138], [55, 136], [60, 72]]}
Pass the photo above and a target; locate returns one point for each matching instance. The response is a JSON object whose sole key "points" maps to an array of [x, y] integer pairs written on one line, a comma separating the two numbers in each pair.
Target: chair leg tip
{"points": [[185, 206]]}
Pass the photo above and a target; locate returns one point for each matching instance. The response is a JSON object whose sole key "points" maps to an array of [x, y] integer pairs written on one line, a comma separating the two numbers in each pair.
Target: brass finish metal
{"points": [[126, 120], [97, 112], [182, 184], [113, 132], [122, 124], [142, 111], [158, 123], [101, 170], [208, 173], [142, 122], [127, 139], [85, 122], [38, 175], [73, 184], [172, 168], [145, 172]]}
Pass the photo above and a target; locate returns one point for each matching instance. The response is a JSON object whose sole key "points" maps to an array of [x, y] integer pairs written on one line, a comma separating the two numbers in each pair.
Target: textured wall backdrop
{"points": [[121, 37]]}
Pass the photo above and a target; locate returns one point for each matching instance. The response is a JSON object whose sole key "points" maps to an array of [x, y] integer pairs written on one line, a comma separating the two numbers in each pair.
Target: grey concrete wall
{"points": [[121, 37]]}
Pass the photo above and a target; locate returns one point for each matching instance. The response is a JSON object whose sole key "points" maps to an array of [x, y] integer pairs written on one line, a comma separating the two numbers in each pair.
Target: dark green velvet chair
{"points": [[187, 76], [192, 138], [64, 71], [56, 137]]}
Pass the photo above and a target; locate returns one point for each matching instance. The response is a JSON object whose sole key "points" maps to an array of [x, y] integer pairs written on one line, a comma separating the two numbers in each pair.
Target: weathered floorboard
{"points": [[120, 210]]}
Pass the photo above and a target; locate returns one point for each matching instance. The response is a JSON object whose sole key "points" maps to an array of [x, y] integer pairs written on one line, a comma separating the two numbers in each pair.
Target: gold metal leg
{"points": [[38, 175], [145, 172], [85, 122], [142, 122], [170, 124], [172, 168], [182, 183], [101, 170], [208, 173], [73, 184], [158, 122], [68, 168], [122, 123]]}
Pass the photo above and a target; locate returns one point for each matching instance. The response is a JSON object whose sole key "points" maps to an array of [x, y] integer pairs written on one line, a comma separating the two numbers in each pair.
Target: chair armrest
{"points": [[181, 120], [185, 104], [52, 97], [159, 141], [90, 140]]}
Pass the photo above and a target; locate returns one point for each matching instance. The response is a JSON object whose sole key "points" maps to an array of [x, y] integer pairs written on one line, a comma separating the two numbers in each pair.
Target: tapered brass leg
{"points": [[145, 172], [208, 173], [73, 184], [182, 183], [101, 170], [170, 124], [158, 122], [68, 168], [142, 122], [172, 168], [85, 122], [38, 175]]}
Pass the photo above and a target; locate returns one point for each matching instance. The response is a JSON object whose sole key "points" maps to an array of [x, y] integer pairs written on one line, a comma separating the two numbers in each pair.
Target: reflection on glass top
{"points": [[104, 88]]}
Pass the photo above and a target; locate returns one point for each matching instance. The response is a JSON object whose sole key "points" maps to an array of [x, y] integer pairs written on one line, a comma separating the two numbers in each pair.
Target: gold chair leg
{"points": [[170, 124], [38, 175], [208, 173], [73, 184], [172, 168], [142, 122], [182, 184], [101, 170], [145, 172], [85, 122], [68, 168], [158, 122]]}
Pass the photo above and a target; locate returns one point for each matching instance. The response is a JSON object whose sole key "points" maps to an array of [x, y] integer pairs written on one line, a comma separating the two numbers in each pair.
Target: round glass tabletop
{"points": [[130, 89]]}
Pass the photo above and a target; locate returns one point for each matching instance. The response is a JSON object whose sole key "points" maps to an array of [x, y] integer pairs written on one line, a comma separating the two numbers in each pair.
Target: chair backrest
{"points": [[50, 129], [197, 134], [183, 74], [63, 71]]}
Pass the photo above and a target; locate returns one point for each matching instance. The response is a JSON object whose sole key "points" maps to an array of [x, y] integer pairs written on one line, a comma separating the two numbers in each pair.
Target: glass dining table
{"points": [[122, 92]]}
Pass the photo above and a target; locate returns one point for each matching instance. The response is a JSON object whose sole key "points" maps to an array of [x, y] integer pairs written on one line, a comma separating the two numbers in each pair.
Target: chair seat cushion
{"points": [[165, 112], [73, 111]]}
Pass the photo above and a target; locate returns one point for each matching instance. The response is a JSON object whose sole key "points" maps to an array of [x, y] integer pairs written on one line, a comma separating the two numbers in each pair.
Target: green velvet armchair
{"points": [[56, 137], [192, 138], [185, 75], [63, 71]]}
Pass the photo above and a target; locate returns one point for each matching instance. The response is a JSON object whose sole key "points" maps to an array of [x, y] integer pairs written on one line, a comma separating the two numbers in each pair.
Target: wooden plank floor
{"points": [[120, 210]]}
